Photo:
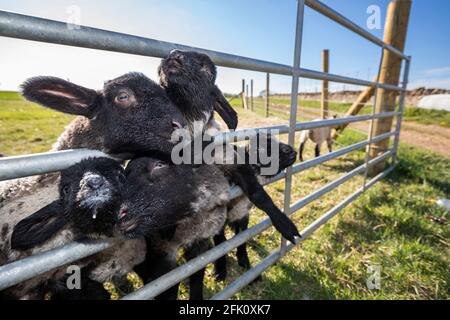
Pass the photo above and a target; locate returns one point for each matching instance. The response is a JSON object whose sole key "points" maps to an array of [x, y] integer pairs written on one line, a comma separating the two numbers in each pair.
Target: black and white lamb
{"points": [[90, 197], [114, 120], [173, 206], [238, 208], [189, 80], [318, 136]]}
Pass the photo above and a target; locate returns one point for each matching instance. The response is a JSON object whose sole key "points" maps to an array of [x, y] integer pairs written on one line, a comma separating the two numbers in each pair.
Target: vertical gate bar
{"points": [[369, 139], [246, 97], [398, 126], [293, 114]]}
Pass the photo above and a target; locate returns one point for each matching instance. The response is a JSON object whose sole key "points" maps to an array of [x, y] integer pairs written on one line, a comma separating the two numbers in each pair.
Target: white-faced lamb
{"points": [[318, 136], [90, 197]]}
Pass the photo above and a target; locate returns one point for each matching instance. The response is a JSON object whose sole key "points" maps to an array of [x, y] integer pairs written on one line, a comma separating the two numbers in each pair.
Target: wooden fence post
{"points": [[251, 94], [243, 94], [396, 27], [267, 93], [324, 96]]}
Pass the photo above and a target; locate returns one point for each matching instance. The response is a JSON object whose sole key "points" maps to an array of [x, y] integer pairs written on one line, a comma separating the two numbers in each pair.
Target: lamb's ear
{"points": [[61, 95], [225, 110], [38, 227]]}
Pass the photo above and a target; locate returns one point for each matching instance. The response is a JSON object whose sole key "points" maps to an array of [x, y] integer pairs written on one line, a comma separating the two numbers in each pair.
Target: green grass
{"points": [[396, 224], [26, 127], [425, 116]]}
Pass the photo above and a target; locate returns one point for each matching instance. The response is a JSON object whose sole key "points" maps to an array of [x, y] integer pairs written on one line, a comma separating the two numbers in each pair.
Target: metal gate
{"points": [[38, 29]]}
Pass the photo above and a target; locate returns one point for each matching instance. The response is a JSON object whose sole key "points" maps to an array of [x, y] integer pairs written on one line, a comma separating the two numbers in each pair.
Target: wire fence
{"points": [[38, 29]]}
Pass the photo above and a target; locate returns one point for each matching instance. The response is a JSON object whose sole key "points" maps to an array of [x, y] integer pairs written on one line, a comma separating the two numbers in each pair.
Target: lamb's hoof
{"points": [[286, 227], [244, 263]]}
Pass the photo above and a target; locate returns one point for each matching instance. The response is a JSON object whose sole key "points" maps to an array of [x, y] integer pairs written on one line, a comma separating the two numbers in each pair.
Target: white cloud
{"points": [[430, 83], [438, 71]]}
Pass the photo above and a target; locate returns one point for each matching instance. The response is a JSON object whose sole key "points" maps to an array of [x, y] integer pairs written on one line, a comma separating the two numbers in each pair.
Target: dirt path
{"points": [[429, 137]]}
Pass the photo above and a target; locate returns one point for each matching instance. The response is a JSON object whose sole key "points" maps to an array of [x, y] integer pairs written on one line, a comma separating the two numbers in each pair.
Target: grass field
{"points": [[395, 225], [26, 127]]}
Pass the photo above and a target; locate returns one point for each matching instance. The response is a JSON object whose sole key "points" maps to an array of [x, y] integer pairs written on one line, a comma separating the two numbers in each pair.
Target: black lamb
{"points": [[173, 206], [188, 78], [238, 208]]}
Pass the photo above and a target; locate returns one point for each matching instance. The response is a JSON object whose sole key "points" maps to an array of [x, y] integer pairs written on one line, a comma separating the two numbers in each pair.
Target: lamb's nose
{"points": [[95, 182], [176, 125]]}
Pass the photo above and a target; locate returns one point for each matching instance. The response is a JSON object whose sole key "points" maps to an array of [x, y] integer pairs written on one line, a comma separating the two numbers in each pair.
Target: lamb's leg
{"points": [[220, 265], [241, 254], [122, 285], [244, 176], [317, 150], [330, 144], [196, 280], [300, 151], [155, 265]]}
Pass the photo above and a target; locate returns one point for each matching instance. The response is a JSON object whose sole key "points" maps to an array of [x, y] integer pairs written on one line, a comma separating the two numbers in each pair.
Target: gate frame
{"points": [[38, 29]]}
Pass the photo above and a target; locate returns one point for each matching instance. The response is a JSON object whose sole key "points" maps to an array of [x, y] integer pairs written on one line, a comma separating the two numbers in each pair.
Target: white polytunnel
{"points": [[436, 102]]}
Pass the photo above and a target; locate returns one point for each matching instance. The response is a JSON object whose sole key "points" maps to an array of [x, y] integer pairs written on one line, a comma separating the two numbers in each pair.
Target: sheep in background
{"points": [[318, 136], [87, 207]]}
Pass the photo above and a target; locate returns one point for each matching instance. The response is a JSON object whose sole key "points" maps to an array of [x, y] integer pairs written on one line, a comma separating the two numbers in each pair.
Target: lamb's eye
{"points": [[122, 97], [65, 190], [159, 165], [156, 166]]}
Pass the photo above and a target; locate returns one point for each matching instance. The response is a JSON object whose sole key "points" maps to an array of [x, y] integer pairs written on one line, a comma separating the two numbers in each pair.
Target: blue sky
{"points": [[262, 29]]}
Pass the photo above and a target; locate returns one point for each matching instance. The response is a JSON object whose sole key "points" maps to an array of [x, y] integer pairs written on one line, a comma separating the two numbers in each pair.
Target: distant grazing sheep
{"points": [[318, 136]]}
